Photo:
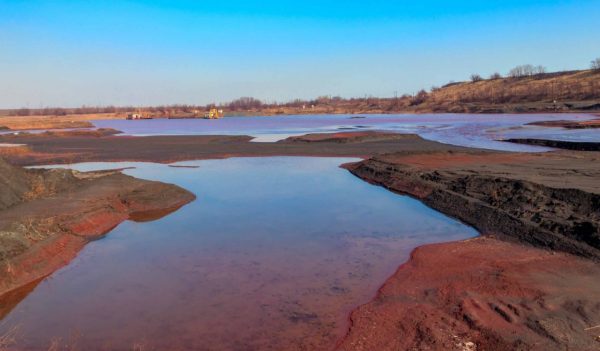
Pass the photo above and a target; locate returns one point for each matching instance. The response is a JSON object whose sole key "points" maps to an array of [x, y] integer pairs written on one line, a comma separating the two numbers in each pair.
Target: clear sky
{"points": [[70, 53]]}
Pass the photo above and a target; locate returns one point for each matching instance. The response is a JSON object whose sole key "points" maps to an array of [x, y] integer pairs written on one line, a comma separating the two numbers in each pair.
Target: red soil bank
{"points": [[487, 294], [482, 294], [46, 217]]}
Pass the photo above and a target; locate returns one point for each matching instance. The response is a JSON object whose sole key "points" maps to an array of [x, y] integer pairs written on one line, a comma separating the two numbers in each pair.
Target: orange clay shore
{"points": [[48, 216], [482, 294], [529, 283]]}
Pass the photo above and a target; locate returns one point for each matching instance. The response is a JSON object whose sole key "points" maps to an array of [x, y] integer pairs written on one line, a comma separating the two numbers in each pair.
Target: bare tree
{"points": [[596, 64], [526, 71], [539, 69], [496, 76], [476, 78], [245, 103]]}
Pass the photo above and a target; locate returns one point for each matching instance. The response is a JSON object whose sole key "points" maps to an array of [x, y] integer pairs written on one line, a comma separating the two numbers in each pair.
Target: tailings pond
{"points": [[273, 255]]}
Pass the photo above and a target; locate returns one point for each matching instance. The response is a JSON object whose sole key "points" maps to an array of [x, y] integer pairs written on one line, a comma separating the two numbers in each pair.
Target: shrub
{"points": [[419, 98]]}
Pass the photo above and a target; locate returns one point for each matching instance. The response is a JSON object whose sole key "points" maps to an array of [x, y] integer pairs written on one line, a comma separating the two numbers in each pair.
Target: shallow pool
{"points": [[273, 255]]}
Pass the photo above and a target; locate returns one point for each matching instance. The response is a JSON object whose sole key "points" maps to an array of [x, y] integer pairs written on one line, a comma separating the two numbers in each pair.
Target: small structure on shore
{"points": [[137, 116], [213, 114]]}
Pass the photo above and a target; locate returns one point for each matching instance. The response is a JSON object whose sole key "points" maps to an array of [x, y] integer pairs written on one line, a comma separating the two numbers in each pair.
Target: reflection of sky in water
{"points": [[458, 129], [273, 251]]}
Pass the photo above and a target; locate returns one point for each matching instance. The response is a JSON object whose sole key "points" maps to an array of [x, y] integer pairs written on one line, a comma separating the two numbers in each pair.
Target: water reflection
{"points": [[272, 255], [472, 130]]}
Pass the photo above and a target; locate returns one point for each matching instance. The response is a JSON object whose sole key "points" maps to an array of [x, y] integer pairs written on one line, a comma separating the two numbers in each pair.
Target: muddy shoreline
{"points": [[48, 216], [538, 206], [558, 144], [73, 147], [539, 216]]}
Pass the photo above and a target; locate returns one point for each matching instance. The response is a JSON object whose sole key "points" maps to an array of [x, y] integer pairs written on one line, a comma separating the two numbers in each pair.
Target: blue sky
{"points": [[70, 53]]}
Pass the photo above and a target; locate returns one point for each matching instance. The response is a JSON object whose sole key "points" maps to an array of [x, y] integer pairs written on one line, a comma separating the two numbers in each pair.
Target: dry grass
{"points": [[577, 86], [54, 122]]}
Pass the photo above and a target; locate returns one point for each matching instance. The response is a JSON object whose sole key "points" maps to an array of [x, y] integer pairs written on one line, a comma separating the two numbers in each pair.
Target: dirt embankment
{"points": [[562, 144], [486, 294], [558, 144], [47, 216], [590, 124], [506, 201], [53, 122]]}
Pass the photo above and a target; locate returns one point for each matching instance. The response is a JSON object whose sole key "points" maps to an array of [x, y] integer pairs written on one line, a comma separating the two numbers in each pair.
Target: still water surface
{"points": [[472, 130], [272, 255]]}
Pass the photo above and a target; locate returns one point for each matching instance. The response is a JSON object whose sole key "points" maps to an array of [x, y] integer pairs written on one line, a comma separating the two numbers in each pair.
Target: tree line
{"points": [[509, 91]]}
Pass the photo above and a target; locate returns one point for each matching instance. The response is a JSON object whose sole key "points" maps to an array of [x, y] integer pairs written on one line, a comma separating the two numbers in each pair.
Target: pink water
{"points": [[473, 130], [273, 255]]}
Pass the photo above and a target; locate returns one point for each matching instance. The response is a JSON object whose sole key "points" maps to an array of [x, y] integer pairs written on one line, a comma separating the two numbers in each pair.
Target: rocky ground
{"points": [[47, 216]]}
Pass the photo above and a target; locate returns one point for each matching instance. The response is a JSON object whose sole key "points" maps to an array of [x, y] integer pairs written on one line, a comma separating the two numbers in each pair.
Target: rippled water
{"points": [[272, 255], [474, 130]]}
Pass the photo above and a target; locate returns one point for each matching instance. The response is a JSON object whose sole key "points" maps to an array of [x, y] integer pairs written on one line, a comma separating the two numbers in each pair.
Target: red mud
{"points": [[482, 294], [487, 294]]}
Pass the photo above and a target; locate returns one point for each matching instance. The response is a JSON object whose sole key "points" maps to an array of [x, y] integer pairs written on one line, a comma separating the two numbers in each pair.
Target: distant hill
{"points": [[570, 91], [543, 92], [562, 91]]}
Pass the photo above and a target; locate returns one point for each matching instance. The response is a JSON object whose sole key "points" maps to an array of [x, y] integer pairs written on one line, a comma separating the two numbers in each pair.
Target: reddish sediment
{"points": [[482, 294], [529, 283], [47, 217]]}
